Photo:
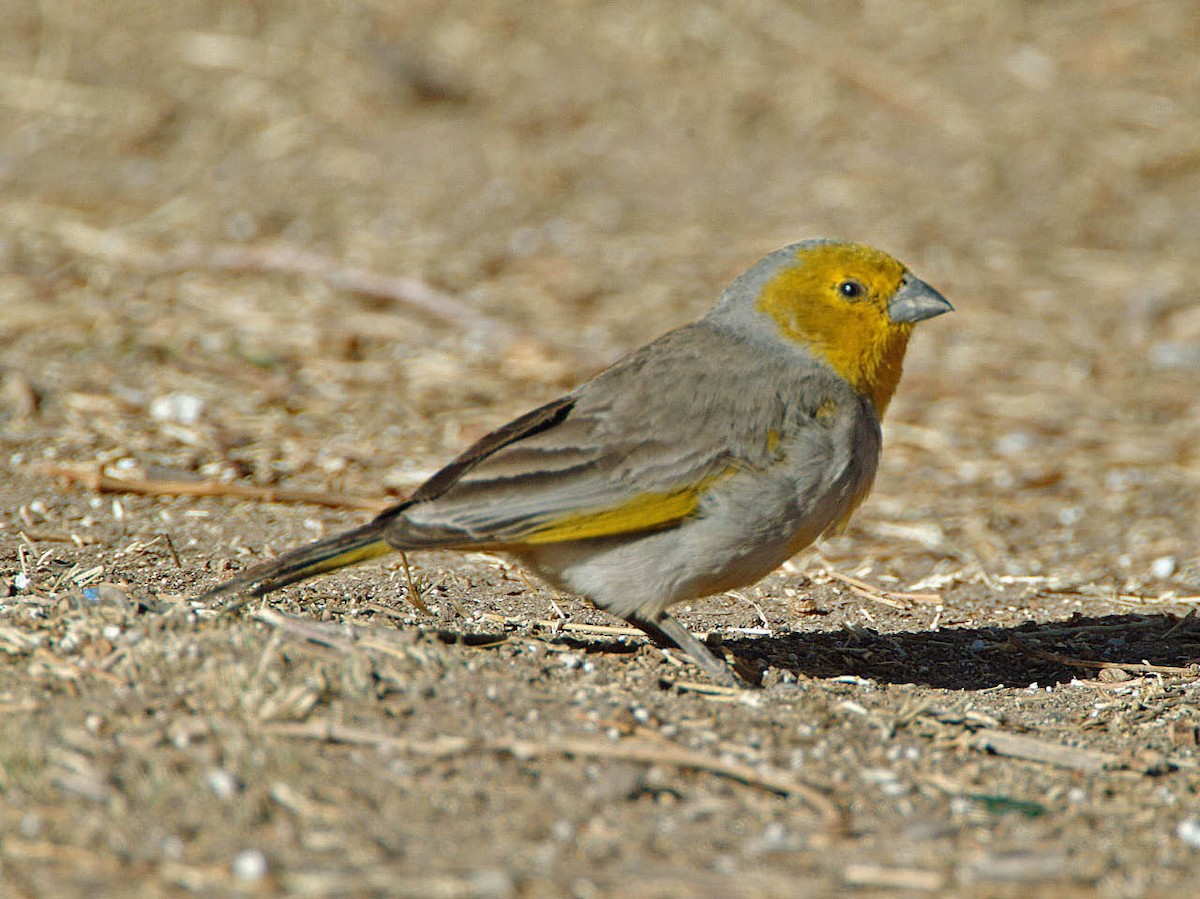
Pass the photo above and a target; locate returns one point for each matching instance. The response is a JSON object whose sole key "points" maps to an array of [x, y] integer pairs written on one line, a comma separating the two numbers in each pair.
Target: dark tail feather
{"points": [[330, 554]]}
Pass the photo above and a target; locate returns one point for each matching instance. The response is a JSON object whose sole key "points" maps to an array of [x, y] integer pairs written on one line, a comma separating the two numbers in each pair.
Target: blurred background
{"points": [[324, 245], [182, 185]]}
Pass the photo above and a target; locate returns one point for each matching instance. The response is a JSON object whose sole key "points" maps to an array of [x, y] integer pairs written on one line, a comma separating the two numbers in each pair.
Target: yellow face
{"points": [[834, 302]]}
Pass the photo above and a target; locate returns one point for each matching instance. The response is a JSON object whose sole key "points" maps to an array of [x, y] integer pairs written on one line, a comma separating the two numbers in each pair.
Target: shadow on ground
{"points": [[967, 658], [978, 658]]}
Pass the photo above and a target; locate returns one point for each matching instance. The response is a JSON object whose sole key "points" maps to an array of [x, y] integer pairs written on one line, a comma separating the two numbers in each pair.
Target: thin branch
{"points": [[94, 479]]}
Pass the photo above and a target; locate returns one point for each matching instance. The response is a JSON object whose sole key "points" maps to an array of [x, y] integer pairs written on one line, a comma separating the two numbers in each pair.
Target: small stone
{"points": [[1174, 354], [181, 408], [222, 783], [111, 594], [1015, 443], [1071, 515], [774, 838], [1189, 831], [1163, 567], [250, 864], [172, 848], [492, 883], [31, 826]]}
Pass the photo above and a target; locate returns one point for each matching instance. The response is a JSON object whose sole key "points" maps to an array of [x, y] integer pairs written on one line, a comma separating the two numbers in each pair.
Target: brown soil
{"points": [[207, 216]]}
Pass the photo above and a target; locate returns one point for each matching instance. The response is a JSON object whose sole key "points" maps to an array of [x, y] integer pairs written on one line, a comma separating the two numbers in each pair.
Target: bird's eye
{"points": [[851, 289]]}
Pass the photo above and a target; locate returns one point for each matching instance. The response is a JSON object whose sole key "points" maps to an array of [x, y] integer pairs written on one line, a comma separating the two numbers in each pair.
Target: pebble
{"points": [[250, 864], [222, 783], [1163, 567], [1175, 354], [1015, 443], [491, 883], [1071, 515], [181, 408], [1189, 831]]}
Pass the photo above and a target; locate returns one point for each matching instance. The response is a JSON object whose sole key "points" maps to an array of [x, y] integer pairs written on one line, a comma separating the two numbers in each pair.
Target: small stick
{"points": [[762, 616], [705, 689], [1190, 616], [887, 597], [23, 557], [319, 633], [95, 480], [1192, 670], [171, 549], [1022, 746], [632, 750], [385, 610], [604, 630], [322, 635], [52, 537]]}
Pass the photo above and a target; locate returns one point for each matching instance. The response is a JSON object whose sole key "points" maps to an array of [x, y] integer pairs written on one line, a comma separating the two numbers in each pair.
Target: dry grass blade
{"points": [[895, 600], [329, 732], [321, 634], [414, 593], [712, 690], [908, 879], [605, 630], [52, 537], [97, 481]]}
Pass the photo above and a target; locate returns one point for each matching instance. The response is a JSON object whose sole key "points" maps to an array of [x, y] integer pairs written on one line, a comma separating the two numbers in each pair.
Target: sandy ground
{"points": [[217, 222]]}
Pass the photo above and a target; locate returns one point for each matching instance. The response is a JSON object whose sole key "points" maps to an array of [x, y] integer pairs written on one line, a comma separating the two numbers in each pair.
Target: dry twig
{"points": [[93, 478], [630, 750], [1023, 746], [1192, 670], [895, 599]]}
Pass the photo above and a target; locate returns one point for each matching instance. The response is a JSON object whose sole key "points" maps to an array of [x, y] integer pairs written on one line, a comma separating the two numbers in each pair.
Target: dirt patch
{"points": [[221, 228]]}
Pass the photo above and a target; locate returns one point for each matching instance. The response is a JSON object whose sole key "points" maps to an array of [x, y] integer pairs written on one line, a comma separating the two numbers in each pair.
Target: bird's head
{"points": [[848, 304]]}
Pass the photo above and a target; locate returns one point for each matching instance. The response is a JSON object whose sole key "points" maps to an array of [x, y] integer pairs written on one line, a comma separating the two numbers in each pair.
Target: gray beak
{"points": [[916, 301]]}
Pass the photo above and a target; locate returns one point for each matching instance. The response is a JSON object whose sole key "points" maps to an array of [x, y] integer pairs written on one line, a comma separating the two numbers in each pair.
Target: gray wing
{"points": [[633, 449]]}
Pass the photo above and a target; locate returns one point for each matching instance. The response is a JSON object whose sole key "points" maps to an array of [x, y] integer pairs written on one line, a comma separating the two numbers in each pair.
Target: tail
{"points": [[330, 554]]}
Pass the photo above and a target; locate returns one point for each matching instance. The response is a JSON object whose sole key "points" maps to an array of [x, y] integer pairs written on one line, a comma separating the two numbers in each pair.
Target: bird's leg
{"points": [[666, 631]]}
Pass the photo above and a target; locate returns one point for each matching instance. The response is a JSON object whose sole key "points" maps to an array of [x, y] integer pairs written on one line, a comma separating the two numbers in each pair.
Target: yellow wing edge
{"points": [[644, 512]]}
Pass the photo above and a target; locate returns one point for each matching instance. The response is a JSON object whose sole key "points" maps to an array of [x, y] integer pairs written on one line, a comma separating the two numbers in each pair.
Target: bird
{"points": [[694, 465]]}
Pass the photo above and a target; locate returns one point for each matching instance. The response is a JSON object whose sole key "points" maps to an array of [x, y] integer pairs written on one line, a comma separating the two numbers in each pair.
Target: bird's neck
{"points": [[868, 355], [876, 370]]}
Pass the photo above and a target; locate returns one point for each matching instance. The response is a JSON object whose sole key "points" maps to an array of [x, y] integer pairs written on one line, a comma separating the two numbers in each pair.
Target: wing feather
{"points": [[633, 450]]}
